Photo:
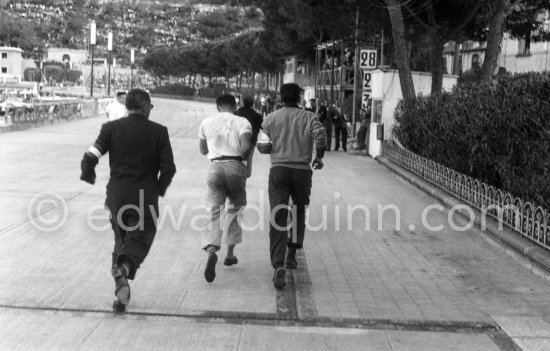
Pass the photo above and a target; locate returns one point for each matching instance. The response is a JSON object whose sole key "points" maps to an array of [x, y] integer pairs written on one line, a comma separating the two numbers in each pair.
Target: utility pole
{"points": [[356, 74], [92, 44], [332, 74], [131, 68]]}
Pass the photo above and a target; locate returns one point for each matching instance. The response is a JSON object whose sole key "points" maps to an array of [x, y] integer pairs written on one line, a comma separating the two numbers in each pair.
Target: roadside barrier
{"points": [[523, 217], [21, 115]]}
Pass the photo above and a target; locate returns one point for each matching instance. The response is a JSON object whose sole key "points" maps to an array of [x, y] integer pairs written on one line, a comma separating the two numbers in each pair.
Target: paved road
{"points": [[368, 278]]}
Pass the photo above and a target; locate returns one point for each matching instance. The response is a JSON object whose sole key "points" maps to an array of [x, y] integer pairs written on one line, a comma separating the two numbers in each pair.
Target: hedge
{"points": [[174, 89], [497, 132]]}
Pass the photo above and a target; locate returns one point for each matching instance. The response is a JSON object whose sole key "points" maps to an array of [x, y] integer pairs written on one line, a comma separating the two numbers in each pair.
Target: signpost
{"points": [[365, 97], [367, 61]]}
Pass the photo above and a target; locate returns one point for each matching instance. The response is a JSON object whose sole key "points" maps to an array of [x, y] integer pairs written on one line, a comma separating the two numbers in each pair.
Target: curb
{"points": [[522, 250]]}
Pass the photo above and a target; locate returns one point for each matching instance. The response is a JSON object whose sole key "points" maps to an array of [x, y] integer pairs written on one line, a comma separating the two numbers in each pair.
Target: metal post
{"points": [[92, 44], [332, 75], [109, 59], [316, 71], [356, 74], [382, 49], [92, 73], [109, 74]]}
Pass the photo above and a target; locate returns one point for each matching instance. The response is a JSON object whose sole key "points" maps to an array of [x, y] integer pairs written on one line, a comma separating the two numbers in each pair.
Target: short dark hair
{"points": [[290, 93], [226, 100], [248, 101], [120, 93], [137, 99]]}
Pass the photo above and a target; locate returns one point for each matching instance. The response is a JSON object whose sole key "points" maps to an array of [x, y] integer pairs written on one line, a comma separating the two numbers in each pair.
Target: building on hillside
{"points": [[11, 60], [71, 56], [11, 74]]}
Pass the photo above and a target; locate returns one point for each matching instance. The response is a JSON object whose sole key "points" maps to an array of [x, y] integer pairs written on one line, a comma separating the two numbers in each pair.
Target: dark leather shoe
{"points": [[122, 288], [290, 261], [229, 261], [210, 270], [279, 281], [118, 307]]}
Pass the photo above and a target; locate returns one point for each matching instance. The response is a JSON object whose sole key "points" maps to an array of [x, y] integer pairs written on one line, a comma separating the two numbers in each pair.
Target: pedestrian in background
{"points": [[255, 119], [293, 132], [142, 167], [321, 111], [332, 116], [117, 108], [312, 106], [340, 122], [226, 139], [363, 132]]}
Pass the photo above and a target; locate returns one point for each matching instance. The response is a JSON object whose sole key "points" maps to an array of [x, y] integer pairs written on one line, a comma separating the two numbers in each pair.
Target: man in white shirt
{"points": [[117, 109], [226, 139]]}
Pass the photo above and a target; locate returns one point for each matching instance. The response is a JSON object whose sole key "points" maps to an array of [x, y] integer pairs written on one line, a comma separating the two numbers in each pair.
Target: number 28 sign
{"points": [[367, 59]]}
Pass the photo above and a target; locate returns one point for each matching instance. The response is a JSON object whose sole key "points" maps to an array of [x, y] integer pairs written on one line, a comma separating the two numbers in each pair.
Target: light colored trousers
{"points": [[226, 181]]}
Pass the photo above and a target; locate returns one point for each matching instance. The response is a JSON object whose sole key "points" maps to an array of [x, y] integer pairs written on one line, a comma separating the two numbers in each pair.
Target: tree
{"points": [[17, 32], [494, 38], [401, 51], [522, 18], [434, 23]]}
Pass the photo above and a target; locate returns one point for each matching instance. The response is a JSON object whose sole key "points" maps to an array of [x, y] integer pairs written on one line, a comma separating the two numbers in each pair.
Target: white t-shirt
{"points": [[222, 133], [115, 110]]}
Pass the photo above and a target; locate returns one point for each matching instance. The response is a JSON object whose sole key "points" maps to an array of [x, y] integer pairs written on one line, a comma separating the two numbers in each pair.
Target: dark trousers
{"points": [[362, 134], [133, 238], [328, 127], [344, 132], [285, 184]]}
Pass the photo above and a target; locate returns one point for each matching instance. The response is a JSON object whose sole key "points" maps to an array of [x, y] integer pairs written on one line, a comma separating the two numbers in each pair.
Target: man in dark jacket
{"points": [[142, 167], [321, 111], [255, 119], [340, 127]]}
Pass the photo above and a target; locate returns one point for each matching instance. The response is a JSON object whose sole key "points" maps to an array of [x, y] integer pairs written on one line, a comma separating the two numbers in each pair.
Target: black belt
{"points": [[227, 158]]}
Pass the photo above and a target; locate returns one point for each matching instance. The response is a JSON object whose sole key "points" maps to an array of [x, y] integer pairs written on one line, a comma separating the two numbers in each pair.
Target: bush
{"points": [[472, 75], [54, 72], [174, 89], [71, 76], [498, 132], [213, 92]]}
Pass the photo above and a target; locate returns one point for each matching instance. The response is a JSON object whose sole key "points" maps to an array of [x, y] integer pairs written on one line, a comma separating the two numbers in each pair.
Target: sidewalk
{"points": [[400, 287]]}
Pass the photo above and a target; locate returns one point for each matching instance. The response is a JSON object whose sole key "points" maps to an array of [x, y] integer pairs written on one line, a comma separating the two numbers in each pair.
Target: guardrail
{"points": [[21, 114], [523, 217]]}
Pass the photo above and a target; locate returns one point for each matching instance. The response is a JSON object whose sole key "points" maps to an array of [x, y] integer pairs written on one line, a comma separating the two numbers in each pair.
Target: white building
{"points": [[517, 55], [11, 60]]}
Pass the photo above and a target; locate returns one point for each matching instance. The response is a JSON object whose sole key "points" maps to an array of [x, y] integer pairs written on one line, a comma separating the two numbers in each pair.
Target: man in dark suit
{"points": [[340, 127], [142, 167]]}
